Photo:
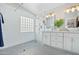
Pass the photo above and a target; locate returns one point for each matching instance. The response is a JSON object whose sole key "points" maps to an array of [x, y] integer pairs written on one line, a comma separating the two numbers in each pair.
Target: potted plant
{"points": [[58, 23]]}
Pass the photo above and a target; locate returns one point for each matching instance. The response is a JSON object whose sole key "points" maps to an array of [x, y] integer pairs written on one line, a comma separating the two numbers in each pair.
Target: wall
{"points": [[11, 28]]}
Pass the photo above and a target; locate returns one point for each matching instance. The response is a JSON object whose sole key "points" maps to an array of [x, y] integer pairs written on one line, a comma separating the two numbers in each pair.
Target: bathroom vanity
{"points": [[67, 39], [64, 40]]}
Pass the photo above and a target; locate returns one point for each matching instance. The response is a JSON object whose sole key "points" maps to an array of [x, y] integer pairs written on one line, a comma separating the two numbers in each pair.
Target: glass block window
{"points": [[27, 24]]}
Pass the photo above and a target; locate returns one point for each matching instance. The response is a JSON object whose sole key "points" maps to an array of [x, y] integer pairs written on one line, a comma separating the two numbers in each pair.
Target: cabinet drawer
{"points": [[57, 39], [56, 34], [75, 35]]}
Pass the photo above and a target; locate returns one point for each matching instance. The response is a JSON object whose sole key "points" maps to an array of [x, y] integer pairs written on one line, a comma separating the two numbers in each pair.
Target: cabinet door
{"points": [[75, 43], [71, 42], [46, 38], [57, 37], [57, 34], [67, 41], [53, 44], [56, 41], [57, 44]]}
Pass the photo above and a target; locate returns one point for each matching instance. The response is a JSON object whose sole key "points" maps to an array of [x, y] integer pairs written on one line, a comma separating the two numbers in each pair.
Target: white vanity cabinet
{"points": [[71, 42], [64, 40], [75, 43], [46, 38], [57, 40], [53, 39]]}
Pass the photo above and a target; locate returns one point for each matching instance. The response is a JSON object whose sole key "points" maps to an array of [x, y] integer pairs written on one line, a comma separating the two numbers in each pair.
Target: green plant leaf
{"points": [[59, 22]]}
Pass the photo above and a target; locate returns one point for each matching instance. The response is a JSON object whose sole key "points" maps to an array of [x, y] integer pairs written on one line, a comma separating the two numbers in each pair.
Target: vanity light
{"points": [[68, 10], [53, 14], [47, 16], [73, 9], [77, 7], [50, 14]]}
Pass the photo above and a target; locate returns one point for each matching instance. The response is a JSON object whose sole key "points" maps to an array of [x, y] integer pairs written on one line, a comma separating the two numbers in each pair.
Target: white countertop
{"points": [[62, 31]]}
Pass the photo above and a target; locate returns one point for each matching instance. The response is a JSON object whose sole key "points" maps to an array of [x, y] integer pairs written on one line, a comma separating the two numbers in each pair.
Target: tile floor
{"points": [[34, 48]]}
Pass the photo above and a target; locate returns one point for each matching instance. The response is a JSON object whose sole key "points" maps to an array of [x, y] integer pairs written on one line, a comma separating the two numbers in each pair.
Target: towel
{"points": [[1, 36]]}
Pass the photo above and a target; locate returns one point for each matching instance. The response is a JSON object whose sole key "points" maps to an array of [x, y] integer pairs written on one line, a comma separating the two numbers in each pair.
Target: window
{"points": [[27, 24]]}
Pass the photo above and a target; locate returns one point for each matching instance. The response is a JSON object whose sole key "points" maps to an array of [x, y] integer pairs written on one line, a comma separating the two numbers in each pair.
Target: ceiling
{"points": [[37, 9], [41, 8]]}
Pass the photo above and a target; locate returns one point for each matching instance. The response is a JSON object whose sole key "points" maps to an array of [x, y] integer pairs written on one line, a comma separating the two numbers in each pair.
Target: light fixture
{"points": [[68, 10], [47, 16], [53, 14], [77, 7], [50, 15], [73, 9]]}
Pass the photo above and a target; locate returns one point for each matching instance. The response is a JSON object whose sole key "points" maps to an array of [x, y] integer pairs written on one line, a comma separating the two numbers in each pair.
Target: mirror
{"points": [[72, 20], [49, 22]]}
